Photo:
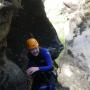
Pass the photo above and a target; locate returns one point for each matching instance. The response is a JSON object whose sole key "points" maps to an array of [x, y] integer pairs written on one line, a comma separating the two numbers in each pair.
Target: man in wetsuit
{"points": [[40, 66]]}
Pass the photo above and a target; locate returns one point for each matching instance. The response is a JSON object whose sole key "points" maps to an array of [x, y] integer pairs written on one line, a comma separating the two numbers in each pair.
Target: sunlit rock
{"points": [[74, 71]]}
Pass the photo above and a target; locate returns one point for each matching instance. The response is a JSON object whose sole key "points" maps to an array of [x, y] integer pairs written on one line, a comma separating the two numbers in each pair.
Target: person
{"points": [[40, 66]]}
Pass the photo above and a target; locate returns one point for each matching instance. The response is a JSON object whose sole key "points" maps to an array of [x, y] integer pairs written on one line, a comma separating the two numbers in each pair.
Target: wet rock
{"points": [[74, 74], [11, 76]]}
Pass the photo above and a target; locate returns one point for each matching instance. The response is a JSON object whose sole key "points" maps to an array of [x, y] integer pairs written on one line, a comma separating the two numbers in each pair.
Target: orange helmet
{"points": [[32, 43]]}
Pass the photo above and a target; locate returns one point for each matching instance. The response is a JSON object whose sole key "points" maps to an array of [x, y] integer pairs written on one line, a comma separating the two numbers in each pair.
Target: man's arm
{"points": [[48, 60]]}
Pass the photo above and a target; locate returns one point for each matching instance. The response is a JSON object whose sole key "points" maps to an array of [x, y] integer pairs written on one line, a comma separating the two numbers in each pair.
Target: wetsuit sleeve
{"points": [[48, 60]]}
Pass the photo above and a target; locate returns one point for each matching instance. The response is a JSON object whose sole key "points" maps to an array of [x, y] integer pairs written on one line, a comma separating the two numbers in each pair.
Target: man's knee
{"points": [[48, 87]]}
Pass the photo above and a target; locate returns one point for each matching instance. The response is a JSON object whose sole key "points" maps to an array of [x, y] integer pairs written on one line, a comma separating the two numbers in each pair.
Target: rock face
{"points": [[11, 76], [75, 64]]}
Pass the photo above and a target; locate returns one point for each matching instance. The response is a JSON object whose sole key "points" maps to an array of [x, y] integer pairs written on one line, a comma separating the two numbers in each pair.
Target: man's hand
{"points": [[31, 70]]}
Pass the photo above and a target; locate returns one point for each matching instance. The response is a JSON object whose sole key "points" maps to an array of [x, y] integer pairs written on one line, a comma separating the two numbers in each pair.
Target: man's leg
{"points": [[48, 87], [35, 86]]}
